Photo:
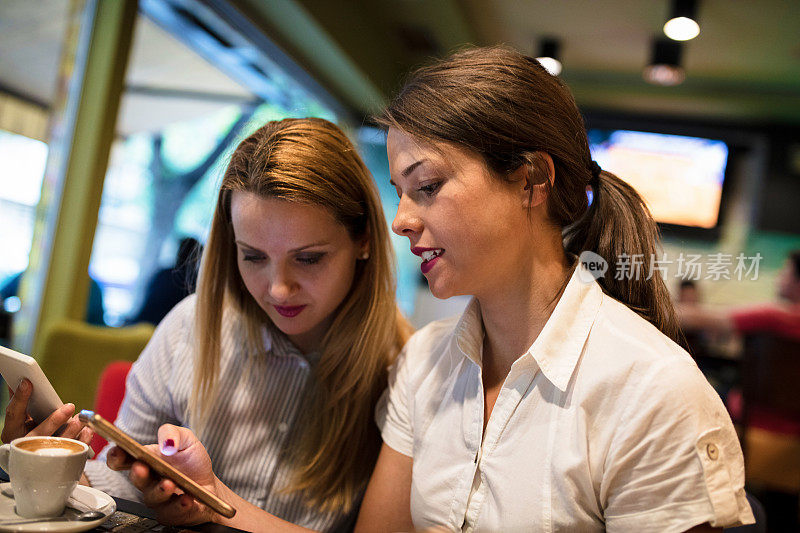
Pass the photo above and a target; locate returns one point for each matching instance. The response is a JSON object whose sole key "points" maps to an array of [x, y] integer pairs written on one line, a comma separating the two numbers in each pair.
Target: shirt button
{"points": [[712, 451], [283, 427]]}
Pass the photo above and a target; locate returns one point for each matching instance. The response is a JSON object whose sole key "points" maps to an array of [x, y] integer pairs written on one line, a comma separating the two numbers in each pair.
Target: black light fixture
{"points": [[549, 49], [665, 63], [682, 24]]}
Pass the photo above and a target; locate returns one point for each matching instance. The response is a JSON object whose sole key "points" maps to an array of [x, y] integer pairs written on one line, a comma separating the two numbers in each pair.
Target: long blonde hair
{"points": [[310, 161]]}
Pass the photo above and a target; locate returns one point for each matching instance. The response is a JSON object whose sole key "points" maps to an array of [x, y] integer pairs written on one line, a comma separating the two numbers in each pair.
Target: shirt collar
{"points": [[277, 344], [469, 332], [559, 345]]}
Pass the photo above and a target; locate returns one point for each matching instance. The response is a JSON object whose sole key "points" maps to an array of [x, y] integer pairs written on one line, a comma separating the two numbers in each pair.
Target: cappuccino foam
{"points": [[50, 447], [52, 452]]}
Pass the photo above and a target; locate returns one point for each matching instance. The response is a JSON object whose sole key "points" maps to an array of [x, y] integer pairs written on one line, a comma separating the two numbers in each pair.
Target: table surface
{"points": [[133, 517]]}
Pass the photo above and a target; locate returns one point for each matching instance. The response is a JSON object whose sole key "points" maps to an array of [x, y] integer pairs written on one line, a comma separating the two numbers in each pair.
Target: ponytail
{"points": [[618, 224]]}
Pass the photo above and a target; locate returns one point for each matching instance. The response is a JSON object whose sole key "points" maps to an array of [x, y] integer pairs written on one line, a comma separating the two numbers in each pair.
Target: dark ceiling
{"points": [[744, 66]]}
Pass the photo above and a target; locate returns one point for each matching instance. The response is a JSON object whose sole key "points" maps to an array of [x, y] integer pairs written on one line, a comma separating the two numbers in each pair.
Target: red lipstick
{"points": [[289, 311], [427, 264]]}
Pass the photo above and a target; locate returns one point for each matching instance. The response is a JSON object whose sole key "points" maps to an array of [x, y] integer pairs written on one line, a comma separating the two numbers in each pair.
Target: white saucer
{"points": [[83, 499]]}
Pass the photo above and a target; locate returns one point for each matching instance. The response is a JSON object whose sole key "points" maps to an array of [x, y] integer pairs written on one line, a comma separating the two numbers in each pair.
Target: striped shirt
{"points": [[245, 435]]}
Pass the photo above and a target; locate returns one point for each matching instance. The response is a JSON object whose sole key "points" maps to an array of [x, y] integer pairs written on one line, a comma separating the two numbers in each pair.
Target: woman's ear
{"points": [[535, 176], [363, 249]]}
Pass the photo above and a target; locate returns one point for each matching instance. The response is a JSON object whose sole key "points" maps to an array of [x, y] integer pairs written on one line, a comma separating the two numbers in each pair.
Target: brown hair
{"points": [[310, 161], [506, 107]]}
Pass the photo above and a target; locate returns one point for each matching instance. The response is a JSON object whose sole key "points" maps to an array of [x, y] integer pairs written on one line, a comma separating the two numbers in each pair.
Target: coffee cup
{"points": [[43, 472]]}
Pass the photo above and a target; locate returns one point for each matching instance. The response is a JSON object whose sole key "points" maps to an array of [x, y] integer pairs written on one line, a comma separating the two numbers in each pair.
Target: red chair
{"points": [[110, 392]]}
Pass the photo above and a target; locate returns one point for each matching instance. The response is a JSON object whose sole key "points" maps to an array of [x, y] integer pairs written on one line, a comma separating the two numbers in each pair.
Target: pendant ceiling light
{"points": [[665, 63], [682, 24], [548, 55]]}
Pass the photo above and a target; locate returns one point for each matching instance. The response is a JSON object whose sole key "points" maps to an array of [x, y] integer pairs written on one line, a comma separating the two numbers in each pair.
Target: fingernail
{"points": [[168, 448], [68, 407], [25, 386]]}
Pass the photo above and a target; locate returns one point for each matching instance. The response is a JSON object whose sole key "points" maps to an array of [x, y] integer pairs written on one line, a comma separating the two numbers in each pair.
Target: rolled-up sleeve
{"points": [[393, 412], [675, 461], [115, 483]]}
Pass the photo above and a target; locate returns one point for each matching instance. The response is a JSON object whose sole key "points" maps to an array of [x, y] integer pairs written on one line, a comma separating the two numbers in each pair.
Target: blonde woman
{"points": [[278, 361]]}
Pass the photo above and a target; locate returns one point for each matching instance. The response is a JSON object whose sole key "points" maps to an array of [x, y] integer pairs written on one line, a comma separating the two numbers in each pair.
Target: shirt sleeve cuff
{"points": [[677, 517], [101, 477], [396, 440]]}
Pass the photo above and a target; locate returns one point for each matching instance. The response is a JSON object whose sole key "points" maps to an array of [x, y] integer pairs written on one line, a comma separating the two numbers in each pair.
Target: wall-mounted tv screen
{"points": [[680, 178]]}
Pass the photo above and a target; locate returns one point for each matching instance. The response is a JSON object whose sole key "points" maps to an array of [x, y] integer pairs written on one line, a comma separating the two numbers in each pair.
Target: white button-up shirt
{"points": [[604, 423]]}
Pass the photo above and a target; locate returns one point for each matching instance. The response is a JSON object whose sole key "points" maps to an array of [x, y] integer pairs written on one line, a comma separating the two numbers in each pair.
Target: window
{"points": [[22, 162], [180, 119]]}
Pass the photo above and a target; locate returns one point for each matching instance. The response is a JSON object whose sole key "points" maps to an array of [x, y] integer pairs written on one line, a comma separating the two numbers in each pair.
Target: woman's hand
{"points": [[18, 423], [180, 448]]}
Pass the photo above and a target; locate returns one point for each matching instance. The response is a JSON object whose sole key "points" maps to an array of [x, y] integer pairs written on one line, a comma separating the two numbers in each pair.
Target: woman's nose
{"points": [[281, 285], [406, 222]]}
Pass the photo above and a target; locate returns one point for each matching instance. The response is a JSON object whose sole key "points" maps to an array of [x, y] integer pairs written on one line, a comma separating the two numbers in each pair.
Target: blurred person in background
{"points": [[781, 318], [169, 286], [688, 292], [713, 351]]}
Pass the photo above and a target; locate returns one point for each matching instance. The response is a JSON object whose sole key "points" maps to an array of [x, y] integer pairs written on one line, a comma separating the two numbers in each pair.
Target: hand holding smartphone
{"points": [[139, 452], [35, 411]]}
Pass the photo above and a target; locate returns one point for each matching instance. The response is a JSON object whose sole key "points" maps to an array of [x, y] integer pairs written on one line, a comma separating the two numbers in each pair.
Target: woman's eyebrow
{"points": [[320, 243], [299, 249], [410, 168], [242, 243]]}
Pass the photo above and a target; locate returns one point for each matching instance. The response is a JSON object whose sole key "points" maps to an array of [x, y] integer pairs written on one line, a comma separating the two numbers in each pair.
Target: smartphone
{"points": [[15, 366], [112, 433]]}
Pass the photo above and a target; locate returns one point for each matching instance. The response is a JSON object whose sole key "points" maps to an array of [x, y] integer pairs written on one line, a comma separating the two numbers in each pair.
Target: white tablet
{"points": [[15, 366]]}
